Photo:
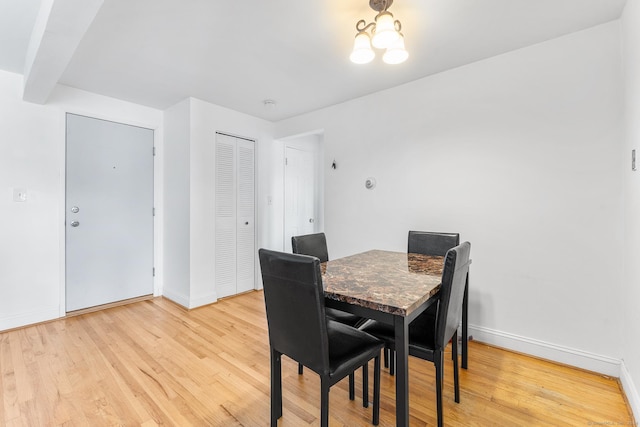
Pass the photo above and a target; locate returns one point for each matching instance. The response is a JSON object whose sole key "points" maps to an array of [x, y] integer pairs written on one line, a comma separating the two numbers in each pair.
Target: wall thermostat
{"points": [[370, 183]]}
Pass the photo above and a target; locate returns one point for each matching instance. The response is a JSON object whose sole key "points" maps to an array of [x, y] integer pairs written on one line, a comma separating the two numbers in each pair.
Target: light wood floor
{"points": [[153, 363]]}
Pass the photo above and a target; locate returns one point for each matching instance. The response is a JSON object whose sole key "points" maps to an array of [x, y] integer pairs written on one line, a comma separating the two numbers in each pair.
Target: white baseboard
{"points": [[176, 297], [12, 322], [630, 391], [190, 303], [569, 356], [203, 300]]}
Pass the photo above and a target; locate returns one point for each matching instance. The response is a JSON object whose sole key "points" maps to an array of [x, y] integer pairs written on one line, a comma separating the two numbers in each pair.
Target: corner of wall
{"points": [[202, 300], [176, 297], [630, 391]]}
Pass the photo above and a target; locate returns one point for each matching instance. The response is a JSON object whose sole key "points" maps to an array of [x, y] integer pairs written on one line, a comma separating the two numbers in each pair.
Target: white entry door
{"points": [[108, 212], [299, 194]]}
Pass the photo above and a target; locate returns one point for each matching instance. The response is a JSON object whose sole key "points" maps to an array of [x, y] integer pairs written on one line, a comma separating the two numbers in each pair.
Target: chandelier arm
{"points": [[365, 27], [398, 25]]}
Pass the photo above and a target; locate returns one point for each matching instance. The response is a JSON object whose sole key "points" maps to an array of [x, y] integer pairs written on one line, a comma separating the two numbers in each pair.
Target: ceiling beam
{"points": [[59, 28]]}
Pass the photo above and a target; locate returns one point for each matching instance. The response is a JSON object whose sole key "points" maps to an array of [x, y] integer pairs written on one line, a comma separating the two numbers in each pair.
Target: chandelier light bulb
{"points": [[362, 52], [385, 31], [396, 53]]}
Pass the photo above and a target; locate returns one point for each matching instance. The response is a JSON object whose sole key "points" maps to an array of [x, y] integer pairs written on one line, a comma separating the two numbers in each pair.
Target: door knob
{"points": [[310, 220], [75, 223], [75, 209]]}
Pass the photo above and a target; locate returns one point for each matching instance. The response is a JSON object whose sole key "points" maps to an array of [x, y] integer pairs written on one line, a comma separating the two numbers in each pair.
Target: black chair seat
{"points": [[343, 317], [349, 347], [419, 342]]}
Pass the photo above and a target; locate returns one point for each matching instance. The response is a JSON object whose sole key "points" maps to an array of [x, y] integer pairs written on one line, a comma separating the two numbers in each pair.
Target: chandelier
{"points": [[385, 34]]}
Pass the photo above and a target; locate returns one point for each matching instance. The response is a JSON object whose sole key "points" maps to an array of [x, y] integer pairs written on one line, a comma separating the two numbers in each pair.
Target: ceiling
{"points": [[238, 53]]}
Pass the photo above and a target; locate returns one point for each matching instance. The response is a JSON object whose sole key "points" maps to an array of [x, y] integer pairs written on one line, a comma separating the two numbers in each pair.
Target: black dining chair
{"points": [[316, 245], [428, 340], [426, 243], [298, 328], [431, 243]]}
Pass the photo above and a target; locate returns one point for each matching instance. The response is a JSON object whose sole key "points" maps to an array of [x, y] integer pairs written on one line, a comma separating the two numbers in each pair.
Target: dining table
{"points": [[394, 288]]}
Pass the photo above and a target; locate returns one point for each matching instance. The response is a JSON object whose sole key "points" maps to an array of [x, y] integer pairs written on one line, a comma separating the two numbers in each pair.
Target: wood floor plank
{"points": [[153, 363]]}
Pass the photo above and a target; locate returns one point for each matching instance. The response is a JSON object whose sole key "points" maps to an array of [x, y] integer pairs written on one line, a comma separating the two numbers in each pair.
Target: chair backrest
{"points": [[294, 301], [454, 276], [431, 243], [311, 244]]}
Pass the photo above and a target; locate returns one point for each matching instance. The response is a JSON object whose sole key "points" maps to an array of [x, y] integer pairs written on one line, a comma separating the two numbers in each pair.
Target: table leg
{"points": [[465, 325], [401, 328]]}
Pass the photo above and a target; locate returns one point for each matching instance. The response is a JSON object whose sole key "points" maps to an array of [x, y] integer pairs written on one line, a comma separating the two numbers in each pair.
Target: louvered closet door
{"points": [[245, 230], [235, 215], [225, 216]]}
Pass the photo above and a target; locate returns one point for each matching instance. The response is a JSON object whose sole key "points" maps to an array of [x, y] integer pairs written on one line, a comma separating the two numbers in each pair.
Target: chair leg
{"points": [[300, 368], [352, 386], [276, 387], [438, 361], [376, 391], [365, 385], [324, 402], [454, 352], [392, 362], [386, 357]]}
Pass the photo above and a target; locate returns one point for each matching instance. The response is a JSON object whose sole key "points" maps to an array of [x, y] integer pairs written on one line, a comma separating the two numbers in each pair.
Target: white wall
{"points": [[631, 250], [176, 188], [520, 154], [206, 119], [196, 223], [32, 151], [29, 231]]}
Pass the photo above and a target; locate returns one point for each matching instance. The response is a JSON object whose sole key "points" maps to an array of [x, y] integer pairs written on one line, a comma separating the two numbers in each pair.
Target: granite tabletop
{"points": [[392, 282]]}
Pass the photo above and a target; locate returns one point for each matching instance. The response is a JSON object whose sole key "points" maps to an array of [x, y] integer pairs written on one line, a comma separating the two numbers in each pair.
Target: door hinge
{"points": [[154, 151], [153, 211], [154, 272], [286, 161]]}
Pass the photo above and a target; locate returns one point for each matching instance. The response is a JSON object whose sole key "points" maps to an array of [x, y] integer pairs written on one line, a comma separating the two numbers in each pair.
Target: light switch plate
{"points": [[19, 194]]}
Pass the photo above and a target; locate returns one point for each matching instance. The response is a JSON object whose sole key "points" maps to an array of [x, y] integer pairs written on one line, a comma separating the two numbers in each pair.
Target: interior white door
{"points": [[235, 215], [299, 196], [109, 212]]}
